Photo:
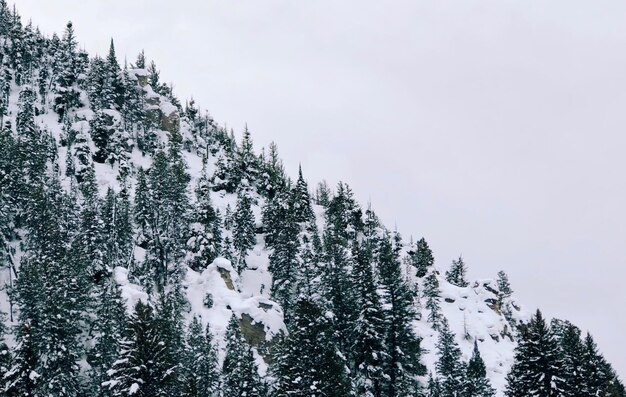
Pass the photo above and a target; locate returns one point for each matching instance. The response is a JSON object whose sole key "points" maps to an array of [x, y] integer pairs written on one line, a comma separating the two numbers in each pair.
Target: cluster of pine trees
{"points": [[556, 360], [349, 304]]}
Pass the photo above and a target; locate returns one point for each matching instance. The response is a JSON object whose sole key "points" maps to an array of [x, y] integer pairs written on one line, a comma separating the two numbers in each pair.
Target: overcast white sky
{"points": [[494, 128]]}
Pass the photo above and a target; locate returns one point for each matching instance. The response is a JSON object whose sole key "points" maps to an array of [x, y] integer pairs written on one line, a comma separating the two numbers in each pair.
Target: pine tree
{"points": [[163, 215], [107, 332], [140, 63], [369, 330], [143, 368], [336, 286], [240, 376], [65, 87], [450, 369], [201, 376], [282, 238], [457, 273], [95, 83], [596, 375], [244, 231], [591, 371], [307, 361], [371, 228], [132, 99], [102, 130], [504, 287], [322, 194], [571, 380], [112, 93], [206, 237], [33, 149], [22, 379], [477, 384], [12, 195], [344, 215], [432, 293], [52, 292], [81, 155], [153, 77], [117, 228], [422, 258], [142, 209], [302, 211], [537, 362], [91, 244], [403, 346], [434, 387], [5, 353], [272, 177], [247, 165], [226, 173]]}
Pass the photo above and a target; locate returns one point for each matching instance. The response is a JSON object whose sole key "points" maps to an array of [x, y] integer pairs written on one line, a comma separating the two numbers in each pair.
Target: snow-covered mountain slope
{"points": [[123, 140]]}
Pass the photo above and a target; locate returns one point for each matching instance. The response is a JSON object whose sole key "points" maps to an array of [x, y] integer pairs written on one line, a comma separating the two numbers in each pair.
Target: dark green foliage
{"points": [[344, 216], [307, 361], [112, 95], [537, 362], [272, 177], [144, 367], [403, 346], [5, 354], [95, 82], [200, 369], [504, 287], [140, 63], [142, 209], [18, 380], [65, 87], [117, 228], [107, 332], [82, 155], [282, 237], [336, 287], [162, 215], [432, 293], [504, 293], [52, 291], [205, 242], [153, 77], [450, 369], [301, 201], [102, 130], [434, 387], [225, 175], [244, 231], [290, 231], [323, 194], [240, 376], [12, 194], [132, 108], [422, 258], [583, 372], [457, 275], [247, 164], [33, 146], [476, 383], [368, 349]]}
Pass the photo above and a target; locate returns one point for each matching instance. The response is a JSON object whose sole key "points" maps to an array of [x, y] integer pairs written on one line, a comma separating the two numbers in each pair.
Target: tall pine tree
{"points": [[537, 362], [240, 375], [307, 361]]}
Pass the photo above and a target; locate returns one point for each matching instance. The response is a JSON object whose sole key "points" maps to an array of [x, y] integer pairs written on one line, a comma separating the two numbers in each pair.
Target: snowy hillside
{"points": [[132, 223]]}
